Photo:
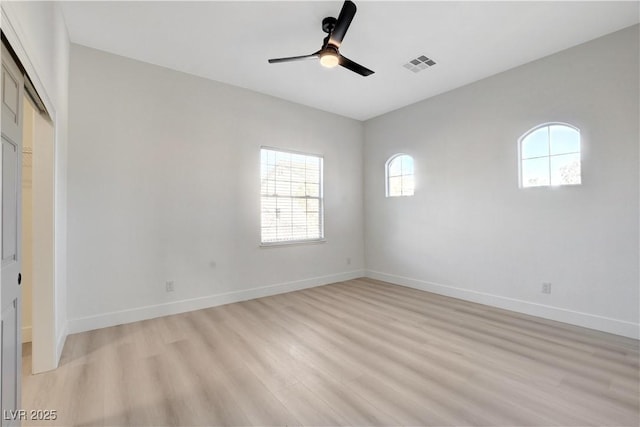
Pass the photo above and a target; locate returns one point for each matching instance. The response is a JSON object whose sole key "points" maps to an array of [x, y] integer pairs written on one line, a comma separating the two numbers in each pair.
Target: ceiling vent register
{"points": [[420, 63]]}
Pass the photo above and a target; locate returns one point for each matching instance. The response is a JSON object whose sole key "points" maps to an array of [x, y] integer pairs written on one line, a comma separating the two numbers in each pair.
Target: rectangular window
{"points": [[291, 197]]}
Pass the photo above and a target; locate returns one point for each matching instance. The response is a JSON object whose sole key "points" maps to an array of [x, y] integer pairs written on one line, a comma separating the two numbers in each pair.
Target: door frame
{"points": [[47, 341], [43, 246]]}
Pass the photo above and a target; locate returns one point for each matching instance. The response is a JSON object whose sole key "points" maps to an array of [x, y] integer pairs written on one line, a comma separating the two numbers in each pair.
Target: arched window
{"points": [[400, 180], [550, 155]]}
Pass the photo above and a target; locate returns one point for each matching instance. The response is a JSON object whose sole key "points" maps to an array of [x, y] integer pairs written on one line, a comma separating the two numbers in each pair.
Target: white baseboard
{"points": [[60, 340], [26, 334], [591, 321], [149, 312]]}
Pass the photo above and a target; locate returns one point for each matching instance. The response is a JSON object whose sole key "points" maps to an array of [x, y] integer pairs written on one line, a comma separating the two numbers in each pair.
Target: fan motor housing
{"points": [[328, 24]]}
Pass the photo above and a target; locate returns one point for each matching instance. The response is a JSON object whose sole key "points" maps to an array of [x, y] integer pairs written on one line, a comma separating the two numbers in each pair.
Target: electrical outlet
{"points": [[212, 264], [546, 288], [348, 261], [169, 286]]}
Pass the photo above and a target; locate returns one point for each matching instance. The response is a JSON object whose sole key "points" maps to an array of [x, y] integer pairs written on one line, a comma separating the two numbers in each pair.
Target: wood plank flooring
{"points": [[361, 352]]}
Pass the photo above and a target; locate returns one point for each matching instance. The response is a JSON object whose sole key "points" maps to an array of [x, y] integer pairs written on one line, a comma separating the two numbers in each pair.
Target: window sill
{"points": [[292, 243], [552, 187]]}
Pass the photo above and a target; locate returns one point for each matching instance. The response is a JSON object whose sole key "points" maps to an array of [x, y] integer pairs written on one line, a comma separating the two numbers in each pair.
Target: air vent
{"points": [[420, 63]]}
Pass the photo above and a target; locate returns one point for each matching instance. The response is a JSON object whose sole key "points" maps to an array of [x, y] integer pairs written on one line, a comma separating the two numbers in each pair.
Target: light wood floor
{"points": [[360, 352]]}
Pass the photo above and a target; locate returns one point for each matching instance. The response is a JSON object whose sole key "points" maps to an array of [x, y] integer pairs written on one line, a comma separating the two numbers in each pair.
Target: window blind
{"points": [[291, 197]]}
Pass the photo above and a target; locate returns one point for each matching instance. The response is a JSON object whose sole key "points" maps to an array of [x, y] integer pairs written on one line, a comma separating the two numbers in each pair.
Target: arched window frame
{"points": [[403, 192], [549, 156]]}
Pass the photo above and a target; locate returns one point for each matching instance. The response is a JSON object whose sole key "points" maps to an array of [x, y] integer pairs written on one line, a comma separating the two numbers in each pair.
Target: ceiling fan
{"points": [[329, 54]]}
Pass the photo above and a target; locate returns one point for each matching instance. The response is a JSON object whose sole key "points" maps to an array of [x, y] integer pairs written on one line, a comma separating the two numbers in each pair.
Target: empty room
{"points": [[320, 213]]}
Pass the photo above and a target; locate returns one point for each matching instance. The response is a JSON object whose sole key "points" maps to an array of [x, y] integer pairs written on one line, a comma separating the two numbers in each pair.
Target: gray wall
{"points": [[471, 232], [164, 182]]}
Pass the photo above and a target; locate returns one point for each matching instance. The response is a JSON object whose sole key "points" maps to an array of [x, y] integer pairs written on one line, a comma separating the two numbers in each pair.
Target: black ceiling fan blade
{"points": [[355, 67], [342, 25], [294, 58]]}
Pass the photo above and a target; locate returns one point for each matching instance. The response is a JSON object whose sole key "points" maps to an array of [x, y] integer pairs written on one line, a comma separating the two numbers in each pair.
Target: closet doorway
{"points": [[37, 237], [18, 94]]}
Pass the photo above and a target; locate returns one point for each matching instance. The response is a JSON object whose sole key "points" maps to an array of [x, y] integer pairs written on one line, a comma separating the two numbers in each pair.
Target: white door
{"points": [[12, 87]]}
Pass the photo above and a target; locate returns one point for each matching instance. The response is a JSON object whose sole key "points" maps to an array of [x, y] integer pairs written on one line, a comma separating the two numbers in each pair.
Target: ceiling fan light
{"points": [[329, 59]]}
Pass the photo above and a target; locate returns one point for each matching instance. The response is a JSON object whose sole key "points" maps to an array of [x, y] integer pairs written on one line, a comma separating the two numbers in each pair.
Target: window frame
{"points": [[548, 156], [320, 198], [387, 167]]}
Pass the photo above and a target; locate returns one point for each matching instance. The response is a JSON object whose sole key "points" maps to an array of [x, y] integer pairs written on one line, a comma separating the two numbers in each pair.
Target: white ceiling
{"points": [[231, 41]]}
